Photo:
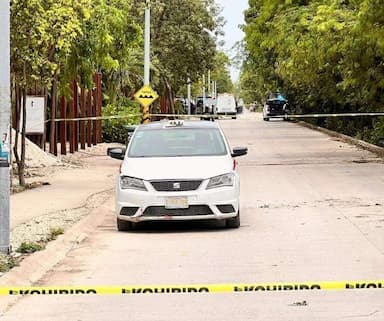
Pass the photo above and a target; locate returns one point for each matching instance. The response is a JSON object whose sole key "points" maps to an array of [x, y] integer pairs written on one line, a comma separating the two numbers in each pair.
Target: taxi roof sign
{"points": [[146, 96], [175, 123]]}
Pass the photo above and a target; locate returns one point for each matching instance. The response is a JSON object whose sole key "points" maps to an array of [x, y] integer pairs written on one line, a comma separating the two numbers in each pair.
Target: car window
{"points": [[177, 142]]}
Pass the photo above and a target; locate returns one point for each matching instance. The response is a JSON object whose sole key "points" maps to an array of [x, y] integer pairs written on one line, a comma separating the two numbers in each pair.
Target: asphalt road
{"points": [[312, 209]]}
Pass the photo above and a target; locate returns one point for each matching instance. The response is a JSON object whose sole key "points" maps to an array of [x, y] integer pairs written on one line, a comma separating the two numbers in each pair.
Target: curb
{"points": [[35, 266], [379, 151]]}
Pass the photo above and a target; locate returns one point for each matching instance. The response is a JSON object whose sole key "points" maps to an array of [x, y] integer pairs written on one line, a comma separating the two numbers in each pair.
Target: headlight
{"points": [[127, 182], [222, 180]]}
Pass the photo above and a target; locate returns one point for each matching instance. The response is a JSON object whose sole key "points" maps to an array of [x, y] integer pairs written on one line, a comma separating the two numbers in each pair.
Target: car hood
{"points": [[176, 167]]}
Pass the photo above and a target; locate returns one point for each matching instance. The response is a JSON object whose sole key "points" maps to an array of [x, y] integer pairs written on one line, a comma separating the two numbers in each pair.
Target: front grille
{"points": [[226, 208], [128, 211], [191, 210], [176, 186]]}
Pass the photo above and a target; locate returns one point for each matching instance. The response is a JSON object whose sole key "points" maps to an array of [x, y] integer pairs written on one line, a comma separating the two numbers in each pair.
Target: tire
{"points": [[266, 119], [124, 226], [233, 222]]}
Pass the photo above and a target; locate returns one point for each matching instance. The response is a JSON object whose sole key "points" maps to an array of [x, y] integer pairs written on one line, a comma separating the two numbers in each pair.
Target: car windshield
{"points": [[177, 142]]}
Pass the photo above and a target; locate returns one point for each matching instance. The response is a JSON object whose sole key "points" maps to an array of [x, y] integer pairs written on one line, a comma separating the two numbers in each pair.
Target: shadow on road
{"points": [[167, 227]]}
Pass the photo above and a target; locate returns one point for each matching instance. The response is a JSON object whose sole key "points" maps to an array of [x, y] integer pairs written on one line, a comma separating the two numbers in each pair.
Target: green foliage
{"points": [[180, 46], [109, 42], [7, 262], [54, 233], [29, 247], [73, 39], [116, 130], [179, 108], [221, 73], [378, 133], [56, 41], [325, 55], [42, 34]]}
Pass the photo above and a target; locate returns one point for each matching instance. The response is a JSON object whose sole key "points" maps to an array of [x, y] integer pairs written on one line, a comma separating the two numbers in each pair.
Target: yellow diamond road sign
{"points": [[146, 96]]}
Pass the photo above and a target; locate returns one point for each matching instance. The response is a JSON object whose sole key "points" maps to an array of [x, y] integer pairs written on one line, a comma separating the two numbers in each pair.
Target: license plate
{"points": [[176, 202]]}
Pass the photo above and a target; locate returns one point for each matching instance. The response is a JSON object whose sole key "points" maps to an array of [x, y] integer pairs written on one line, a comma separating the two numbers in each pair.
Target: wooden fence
{"points": [[71, 133]]}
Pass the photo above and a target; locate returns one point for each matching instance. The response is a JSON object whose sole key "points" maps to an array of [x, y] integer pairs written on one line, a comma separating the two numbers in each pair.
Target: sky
{"points": [[233, 14]]}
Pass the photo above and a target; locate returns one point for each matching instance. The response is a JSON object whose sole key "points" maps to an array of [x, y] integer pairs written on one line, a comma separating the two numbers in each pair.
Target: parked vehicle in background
{"points": [[240, 106], [208, 107], [176, 170], [276, 105], [226, 105], [184, 105]]}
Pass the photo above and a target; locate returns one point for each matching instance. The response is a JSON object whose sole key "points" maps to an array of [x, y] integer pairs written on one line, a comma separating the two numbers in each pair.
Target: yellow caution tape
{"points": [[135, 115], [93, 118], [196, 288], [220, 117], [335, 115]]}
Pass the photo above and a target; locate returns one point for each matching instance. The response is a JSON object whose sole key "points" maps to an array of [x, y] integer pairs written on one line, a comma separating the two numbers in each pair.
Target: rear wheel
{"points": [[233, 222], [123, 226]]}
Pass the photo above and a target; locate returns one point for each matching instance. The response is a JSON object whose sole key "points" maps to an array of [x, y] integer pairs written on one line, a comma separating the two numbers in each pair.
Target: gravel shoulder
{"points": [[68, 189]]}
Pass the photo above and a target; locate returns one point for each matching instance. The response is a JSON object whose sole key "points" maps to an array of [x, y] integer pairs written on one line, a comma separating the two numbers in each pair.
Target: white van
{"points": [[226, 105]]}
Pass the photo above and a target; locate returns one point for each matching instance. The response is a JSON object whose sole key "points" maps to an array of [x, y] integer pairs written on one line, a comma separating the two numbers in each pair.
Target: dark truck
{"points": [[275, 106]]}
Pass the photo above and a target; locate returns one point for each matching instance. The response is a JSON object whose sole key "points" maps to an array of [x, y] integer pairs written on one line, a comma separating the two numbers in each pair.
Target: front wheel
{"points": [[266, 119], [124, 226], [233, 222]]}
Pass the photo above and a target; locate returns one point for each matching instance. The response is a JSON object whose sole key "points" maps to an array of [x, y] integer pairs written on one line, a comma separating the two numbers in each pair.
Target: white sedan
{"points": [[176, 170]]}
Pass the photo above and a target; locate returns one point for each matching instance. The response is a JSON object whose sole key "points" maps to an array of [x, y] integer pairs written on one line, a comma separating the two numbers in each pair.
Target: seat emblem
{"points": [[176, 185]]}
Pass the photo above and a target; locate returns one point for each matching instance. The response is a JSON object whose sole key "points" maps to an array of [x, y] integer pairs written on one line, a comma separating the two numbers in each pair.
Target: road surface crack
{"points": [[362, 315]]}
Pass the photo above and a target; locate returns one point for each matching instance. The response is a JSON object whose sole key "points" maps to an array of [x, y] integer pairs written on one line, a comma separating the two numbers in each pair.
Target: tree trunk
{"points": [[21, 95], [17, 125], [169, 95], [45, 94], [52, 134], [21, 164]]}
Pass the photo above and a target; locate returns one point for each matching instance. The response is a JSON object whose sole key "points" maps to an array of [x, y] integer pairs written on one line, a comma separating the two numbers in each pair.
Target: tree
{"points": [[110, 42], [54, 42], [325, 55], [180, 46], [221, 73], [41, 37]]}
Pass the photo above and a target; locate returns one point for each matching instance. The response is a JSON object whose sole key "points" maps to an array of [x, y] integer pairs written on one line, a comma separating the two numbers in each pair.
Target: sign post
{"points": [[189, 95], [5, 111], [146, 96], [147, 56]]}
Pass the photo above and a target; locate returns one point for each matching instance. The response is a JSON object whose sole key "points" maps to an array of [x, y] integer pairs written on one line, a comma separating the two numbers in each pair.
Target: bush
{"points": [[54, 233], [6, 263], [116, 130], [29, 247], [377, 136]]}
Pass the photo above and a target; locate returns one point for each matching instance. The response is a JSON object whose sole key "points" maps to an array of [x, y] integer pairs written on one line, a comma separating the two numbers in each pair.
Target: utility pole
{"points": [[189, 95], [5, 112], [215, 95], [147, 57], [203, 94], [215, 88], [209, 82], [147, 42]]}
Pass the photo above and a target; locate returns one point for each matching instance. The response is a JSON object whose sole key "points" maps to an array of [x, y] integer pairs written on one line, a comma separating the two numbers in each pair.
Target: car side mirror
{"points": [[117, 153], [239, 151]]}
